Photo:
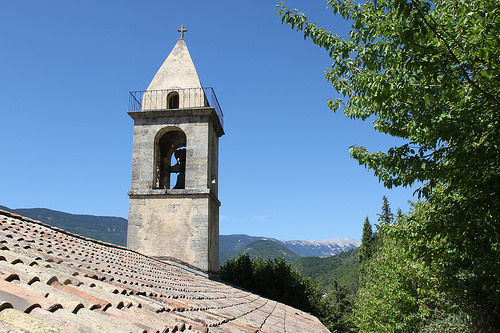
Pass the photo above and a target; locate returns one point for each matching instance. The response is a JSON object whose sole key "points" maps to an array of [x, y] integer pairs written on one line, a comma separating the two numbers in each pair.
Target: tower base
{"points": [[177, 223]]}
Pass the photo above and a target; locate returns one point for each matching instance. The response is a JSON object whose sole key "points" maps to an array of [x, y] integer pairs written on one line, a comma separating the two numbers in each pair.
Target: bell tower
{"points": [[173, 205]]}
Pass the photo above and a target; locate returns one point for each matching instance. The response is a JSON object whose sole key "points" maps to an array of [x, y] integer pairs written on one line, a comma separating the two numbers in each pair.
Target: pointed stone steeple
{"points": [[174, 205], [177, 72], [176, 84]]}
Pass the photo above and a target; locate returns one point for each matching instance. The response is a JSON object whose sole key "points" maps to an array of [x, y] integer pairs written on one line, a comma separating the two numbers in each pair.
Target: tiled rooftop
{"points": [[54, 281]]}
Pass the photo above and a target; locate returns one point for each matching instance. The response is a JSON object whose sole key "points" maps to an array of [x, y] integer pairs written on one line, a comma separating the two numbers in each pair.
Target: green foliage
{"points": [[399, 215], [365, 250], [341, 302], [239, 271], [269, 250], [460, 248], [426, 72], [430, 289], [385, 303], [386, 216], [338, 276], [278, 280], [274, 279]]}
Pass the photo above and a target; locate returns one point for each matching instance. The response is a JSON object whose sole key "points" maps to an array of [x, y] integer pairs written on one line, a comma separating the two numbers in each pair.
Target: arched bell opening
{"points": [[170, 152], [173, 100]]}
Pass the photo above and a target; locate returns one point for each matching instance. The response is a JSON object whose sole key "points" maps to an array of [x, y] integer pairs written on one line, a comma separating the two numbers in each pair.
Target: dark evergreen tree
{"points": [[366, 241], [399, 215], [386, 217], [238, 271]]}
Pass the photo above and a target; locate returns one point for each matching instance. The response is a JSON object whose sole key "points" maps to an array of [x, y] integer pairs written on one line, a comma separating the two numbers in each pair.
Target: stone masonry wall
{"points": [[179, 223], [174, 227]]}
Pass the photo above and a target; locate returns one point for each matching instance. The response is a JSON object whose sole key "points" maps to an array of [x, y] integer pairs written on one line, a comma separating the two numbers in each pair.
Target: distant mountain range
{"points": [[114, 230], [232, 244], [269, 250]]}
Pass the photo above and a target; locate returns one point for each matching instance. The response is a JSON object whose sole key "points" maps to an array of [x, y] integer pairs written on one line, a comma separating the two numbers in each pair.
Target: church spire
{"points": [[174, 209], [178, 71]]}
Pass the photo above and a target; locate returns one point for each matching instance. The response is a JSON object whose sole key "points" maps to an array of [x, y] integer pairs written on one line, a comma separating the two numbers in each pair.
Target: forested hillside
{"points": [[342, 268]]}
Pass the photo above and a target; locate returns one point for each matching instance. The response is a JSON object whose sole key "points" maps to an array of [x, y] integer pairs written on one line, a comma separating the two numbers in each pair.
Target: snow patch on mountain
{"points": [[319, 248]]}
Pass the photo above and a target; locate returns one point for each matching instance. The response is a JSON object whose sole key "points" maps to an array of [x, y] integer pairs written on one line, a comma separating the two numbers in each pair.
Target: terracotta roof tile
{"points": [[24, 299], [161, 319], [59, 319], [53, 281], [28, 322]]}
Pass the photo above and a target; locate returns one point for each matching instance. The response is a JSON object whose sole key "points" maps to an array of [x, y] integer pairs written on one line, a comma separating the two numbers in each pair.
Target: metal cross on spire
{"points": [[182, 31]]}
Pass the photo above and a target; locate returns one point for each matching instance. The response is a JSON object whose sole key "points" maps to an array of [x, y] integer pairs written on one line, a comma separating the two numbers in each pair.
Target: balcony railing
{"points": [[150, 100]]}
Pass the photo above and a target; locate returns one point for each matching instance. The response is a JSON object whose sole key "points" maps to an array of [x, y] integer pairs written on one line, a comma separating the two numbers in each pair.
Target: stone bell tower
{"points": [[173, 207]]}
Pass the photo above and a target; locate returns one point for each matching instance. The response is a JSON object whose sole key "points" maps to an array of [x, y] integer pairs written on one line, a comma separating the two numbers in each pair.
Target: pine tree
{"points": [[366, 241], [399, 216], [386, 217]]}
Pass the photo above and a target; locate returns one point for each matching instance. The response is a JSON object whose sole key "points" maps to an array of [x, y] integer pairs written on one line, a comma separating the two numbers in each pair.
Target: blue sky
{"points": [[66, 68]]}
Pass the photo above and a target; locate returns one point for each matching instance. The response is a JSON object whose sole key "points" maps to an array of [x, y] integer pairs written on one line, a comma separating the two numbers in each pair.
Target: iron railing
{"points": [[150, 100]]}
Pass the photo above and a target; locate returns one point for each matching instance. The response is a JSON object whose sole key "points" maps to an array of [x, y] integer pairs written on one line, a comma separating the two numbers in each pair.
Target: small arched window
{"points": [[171, 160], [173, 100]]}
